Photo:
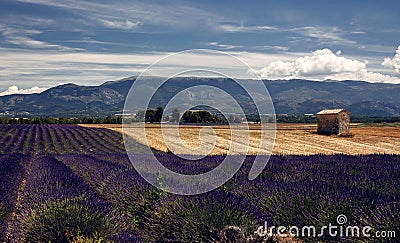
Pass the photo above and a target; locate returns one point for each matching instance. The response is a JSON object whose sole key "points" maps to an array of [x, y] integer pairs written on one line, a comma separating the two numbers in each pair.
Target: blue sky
{"points": [[47, 42]]}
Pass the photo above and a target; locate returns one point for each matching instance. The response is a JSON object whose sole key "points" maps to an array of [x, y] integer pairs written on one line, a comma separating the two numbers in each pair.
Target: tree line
{"points": [[195, 116]]}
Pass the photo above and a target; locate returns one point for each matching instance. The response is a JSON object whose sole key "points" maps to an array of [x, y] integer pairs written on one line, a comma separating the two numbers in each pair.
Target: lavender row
{"points": [[120, 185], [56, 205], [11, 176]]}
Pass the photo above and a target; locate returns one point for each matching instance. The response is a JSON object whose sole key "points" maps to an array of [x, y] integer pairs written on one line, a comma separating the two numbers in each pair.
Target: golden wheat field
{"points": [[290, 139]]}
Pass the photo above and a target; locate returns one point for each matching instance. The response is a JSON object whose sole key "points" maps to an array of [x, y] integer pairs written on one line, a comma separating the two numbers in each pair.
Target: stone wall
{"points": [[334, 123]]}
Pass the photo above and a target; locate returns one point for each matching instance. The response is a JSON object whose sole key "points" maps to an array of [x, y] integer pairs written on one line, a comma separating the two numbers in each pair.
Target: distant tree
{"points": [[189, 117], [205, 117], [201, 117], [87, 120], [149, 116], [158, 114], [112, 120], [154, 115]]}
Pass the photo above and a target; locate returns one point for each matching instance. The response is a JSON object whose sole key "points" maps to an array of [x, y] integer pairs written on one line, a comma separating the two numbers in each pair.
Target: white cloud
{"points": [[145, 12], [241, 28], [321, 65], [89, 40], [274, 48], [22, 37], [222, 46], [393, 62], [15, 90], [324, 34], [123, 25], [358, 32], [365, 75], [35, 21]]}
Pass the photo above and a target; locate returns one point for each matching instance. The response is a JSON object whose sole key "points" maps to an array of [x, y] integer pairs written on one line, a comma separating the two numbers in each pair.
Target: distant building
{"points": [[336, 121]]}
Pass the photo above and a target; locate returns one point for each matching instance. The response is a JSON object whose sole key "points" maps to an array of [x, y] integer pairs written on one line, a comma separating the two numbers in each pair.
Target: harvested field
{"points": [[296, 139]]}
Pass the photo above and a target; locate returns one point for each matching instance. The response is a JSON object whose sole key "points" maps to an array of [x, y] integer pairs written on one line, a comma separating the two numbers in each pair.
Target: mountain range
{"points": [[289, 97]]}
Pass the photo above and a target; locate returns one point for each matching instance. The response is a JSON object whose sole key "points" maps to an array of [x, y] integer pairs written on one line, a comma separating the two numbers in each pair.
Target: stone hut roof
{"points": [[332, 111]]}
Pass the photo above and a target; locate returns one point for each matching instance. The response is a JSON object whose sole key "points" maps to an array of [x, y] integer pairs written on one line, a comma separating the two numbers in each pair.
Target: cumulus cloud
{"points": [[393, 62], [15, 90], [321, 65]]}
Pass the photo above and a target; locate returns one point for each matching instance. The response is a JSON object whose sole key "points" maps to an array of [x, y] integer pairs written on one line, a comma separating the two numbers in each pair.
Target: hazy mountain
{"points": [[290, 97]]}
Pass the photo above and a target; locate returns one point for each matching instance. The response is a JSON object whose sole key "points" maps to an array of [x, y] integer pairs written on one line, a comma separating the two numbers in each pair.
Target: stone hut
{"points": [[335, 121]]}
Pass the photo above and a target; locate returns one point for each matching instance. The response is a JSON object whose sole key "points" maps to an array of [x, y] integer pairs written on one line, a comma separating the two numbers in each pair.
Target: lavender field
{"points": [[66, 183]]}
